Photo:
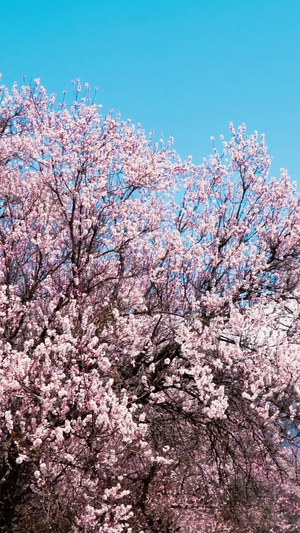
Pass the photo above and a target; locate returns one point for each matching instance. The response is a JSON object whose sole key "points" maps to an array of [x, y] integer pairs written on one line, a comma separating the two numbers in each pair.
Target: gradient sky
{"points": [[182, 67]]}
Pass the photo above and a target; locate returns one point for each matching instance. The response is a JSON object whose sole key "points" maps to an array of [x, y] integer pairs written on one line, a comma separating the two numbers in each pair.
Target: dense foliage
{"points": [[149, 351]]}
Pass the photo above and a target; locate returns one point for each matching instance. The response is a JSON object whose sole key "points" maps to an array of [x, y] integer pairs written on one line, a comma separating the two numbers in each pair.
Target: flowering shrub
{"points": [[149, 362]]}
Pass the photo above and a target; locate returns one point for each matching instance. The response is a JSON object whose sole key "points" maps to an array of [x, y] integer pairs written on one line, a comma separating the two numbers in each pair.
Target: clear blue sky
{"points": [[183, 67]]}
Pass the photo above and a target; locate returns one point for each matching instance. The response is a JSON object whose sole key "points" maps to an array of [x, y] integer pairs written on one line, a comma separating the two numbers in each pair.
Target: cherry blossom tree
{"points": [[149, 362]]}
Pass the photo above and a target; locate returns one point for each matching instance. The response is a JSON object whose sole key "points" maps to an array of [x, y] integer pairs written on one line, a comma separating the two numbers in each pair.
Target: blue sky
{"points": [[182, 67]]}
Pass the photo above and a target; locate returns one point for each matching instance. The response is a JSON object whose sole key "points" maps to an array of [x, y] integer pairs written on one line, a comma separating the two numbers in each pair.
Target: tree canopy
{"points": [[149, 361]]}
